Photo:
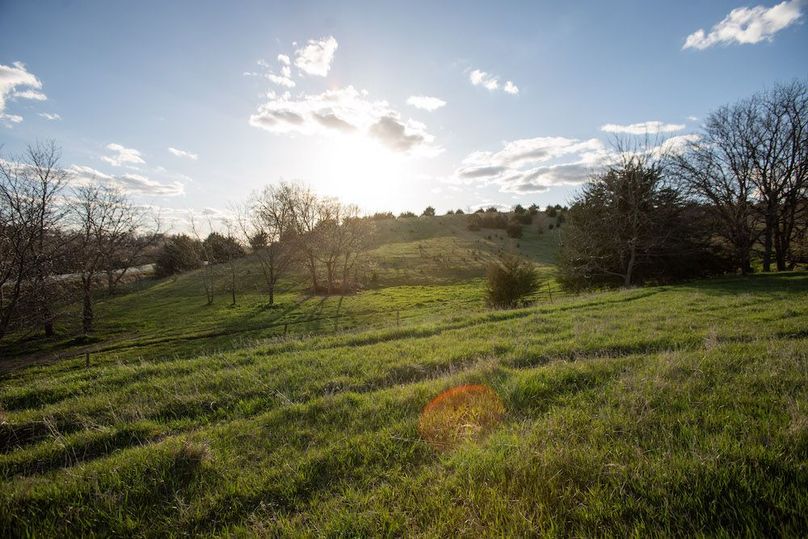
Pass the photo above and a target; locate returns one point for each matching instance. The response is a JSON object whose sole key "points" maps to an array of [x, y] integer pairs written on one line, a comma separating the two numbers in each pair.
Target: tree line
{"points": [[58, 243], [732, 196]]}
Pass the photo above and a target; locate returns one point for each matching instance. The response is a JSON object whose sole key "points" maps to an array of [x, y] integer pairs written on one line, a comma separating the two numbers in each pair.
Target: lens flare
{"points": [[460, 414]]}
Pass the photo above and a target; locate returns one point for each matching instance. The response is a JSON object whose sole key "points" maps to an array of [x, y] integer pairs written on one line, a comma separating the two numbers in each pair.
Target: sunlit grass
{"points": [[671, 410]]}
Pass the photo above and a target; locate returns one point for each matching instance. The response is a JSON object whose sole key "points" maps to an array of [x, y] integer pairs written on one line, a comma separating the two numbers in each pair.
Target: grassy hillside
{"points": [[673, 410], [170, 317]]}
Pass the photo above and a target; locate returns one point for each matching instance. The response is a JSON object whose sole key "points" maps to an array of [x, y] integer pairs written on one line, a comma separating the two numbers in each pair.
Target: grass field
{"points": [[663, 410], [424, 268]]}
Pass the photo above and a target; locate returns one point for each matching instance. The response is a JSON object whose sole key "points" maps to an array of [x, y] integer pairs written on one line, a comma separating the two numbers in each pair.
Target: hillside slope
{"points": [[414, 269], [674, 410]]}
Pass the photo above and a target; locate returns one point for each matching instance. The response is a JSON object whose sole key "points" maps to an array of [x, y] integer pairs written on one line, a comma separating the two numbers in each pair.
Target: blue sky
{"points": [[129, 81]]}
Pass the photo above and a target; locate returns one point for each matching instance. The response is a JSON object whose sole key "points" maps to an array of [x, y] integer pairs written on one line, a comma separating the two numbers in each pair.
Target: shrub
{"points": [[429, 212], [221, 248], [406, 215], [514, 230], [179, 253], [459, 212], [510, 280]]}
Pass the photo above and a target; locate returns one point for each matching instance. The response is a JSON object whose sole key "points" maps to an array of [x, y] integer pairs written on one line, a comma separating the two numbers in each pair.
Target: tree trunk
{"points": [[313, 271], [271, 285], [87, 311], [110, 282], [233, 282], [630, 266]]}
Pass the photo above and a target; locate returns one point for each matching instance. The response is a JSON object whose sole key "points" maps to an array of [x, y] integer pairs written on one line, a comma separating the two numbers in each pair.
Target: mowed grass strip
{"points": [[670, 409]]}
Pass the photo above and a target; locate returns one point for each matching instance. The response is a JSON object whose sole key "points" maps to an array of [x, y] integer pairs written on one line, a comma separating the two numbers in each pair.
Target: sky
{"points": [[192, 106]]}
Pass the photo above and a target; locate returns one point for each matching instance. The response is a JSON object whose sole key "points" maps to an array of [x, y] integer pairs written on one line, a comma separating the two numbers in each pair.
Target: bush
{"points": [[429, 212], [510, 280], [221, 248], [179, 253], [514, 230], [406, 215]]}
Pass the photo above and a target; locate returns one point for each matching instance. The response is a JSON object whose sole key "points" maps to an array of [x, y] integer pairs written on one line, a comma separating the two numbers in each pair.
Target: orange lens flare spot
{"points": [[460, 414]]}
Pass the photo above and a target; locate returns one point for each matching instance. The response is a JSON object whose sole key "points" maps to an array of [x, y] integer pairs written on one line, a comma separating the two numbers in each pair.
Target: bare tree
{"points": [[124, 252], [779, 142], [718, 171], [325, 241], [352, 238], [30, 214], [103, 219], [750, 166], [268, 224], [307, 210], [207, 265]]}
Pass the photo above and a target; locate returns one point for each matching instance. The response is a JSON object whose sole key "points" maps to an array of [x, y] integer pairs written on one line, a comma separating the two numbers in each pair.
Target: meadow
{"points": [[672, 410]]}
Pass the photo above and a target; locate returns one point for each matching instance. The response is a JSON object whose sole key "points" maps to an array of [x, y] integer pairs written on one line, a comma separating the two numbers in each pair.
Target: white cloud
{"points": [[524, 166], [747, 25], [49, 116], [280, 80], [343, 111], [183, 153], [122, 155], [425, 102], [284, 59], [10, 119], [481, 78], [693, 118], [33, 95], [12, 77], [491, 82], [642, 128], [316, 57], [130, 183]]}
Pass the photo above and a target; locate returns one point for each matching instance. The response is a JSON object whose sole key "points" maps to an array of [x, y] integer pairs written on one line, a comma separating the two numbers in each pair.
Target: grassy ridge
{"points": [[669, 409]]}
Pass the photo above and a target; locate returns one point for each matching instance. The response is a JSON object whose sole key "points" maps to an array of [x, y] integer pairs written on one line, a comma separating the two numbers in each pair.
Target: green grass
{"points": [[425, 269], [673, 410]]}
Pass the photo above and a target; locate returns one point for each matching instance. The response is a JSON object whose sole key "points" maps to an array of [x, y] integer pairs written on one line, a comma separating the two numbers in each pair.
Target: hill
{"points": [[675, 409], [415, 269]]}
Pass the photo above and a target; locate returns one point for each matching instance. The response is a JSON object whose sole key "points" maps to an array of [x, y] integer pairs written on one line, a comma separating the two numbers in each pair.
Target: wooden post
{"points": [[86, 359]]}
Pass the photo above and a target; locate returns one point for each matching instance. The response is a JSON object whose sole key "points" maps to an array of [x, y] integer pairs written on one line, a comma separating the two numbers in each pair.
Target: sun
{"points": [[363, 171]]}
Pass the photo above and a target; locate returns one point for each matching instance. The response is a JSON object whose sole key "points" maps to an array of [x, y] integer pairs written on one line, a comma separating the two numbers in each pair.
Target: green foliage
{"points": [[630, 226], [406, 215], [510, 281], [429, 212], [178, 254]]}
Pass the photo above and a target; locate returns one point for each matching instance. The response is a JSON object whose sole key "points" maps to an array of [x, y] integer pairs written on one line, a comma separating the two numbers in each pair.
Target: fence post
{"points": [[86, 359]]}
